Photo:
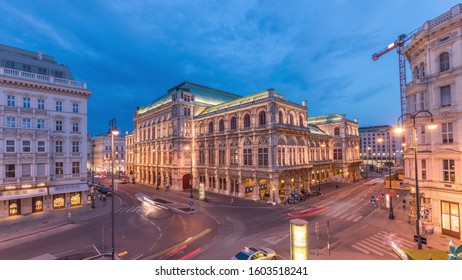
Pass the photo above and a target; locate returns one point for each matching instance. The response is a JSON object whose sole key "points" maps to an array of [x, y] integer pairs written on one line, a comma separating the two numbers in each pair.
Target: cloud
{"points": [[43, 30]]}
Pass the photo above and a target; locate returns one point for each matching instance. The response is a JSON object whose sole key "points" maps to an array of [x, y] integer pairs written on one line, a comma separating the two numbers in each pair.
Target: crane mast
{"points": [[399, 45]]}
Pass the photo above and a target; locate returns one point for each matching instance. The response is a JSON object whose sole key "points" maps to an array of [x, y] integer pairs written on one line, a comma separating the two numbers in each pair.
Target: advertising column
{"points": [[298, 239]]}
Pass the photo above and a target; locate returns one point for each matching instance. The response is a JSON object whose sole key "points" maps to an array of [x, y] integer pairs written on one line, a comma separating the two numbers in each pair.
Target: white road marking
{"points": [[360, 249]]}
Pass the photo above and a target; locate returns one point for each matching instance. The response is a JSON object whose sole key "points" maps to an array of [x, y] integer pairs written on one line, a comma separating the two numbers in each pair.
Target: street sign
{"points": [[373, 200], [190, 203]]}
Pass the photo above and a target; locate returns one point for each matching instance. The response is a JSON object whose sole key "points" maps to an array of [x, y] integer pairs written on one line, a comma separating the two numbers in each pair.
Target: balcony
{"points": [[417, 82], [41, 78]]}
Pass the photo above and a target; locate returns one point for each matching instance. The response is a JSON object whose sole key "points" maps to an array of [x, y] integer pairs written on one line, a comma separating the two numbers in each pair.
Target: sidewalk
{"points": [[24, 225], [400, 225]]}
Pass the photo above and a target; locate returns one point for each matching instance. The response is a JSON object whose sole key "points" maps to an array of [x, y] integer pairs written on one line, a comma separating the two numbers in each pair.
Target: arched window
{"points": [[281, 117], [291, 119], [444, 61], [262, 118], [221, 126], [210, 127], [201, 128], [300, 121], [247, 120], [337, 131], [233, 123]]}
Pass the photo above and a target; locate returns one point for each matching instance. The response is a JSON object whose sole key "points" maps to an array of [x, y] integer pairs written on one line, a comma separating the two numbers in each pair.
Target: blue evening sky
{"points": [[131, 51]]}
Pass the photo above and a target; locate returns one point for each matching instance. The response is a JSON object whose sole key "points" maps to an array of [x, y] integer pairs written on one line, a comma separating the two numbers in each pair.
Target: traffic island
{"points": [[184, 210], [424, 254]]}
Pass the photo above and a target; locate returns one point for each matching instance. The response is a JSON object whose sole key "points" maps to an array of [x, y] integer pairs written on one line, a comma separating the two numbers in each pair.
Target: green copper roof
{"points": [[315, 130], [205, 94], [326, 118], [202, 94], [242, 100]]}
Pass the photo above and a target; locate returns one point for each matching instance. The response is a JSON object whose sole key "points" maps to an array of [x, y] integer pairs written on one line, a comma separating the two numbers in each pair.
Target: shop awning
{"points": [[68, 188], [25, 193]]}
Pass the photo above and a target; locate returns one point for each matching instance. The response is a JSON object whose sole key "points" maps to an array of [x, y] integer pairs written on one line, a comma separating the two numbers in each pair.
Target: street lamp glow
{"points": [[432, 125], [399, 129]]}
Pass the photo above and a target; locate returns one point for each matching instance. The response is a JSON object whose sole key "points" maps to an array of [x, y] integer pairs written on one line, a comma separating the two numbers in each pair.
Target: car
{"points": [[123, 181], [252, 253], [107, 191]]}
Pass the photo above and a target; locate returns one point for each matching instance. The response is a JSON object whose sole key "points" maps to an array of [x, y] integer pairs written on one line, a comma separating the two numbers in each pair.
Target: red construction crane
{"points": [[399, 44]]}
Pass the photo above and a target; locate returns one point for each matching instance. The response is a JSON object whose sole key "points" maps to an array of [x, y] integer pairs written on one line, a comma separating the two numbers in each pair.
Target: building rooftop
{"points": [[204, 95], [242, 100], [33, 62]]}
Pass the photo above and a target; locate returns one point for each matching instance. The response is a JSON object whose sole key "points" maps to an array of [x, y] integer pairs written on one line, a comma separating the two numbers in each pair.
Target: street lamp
{"points": [[391, 216], [93, 176], [399, 129], [319, 181], [114, 132]]}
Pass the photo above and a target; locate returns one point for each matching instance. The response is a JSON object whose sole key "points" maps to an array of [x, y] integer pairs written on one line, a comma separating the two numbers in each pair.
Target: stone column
{"points": [[240, 185], [256, 188], [227, 184]]}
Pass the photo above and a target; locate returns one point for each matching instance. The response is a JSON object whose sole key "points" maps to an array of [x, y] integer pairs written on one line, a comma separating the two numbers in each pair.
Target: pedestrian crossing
{"points": [[343, 214], [381, 243], [127, 209], [134, 209]]}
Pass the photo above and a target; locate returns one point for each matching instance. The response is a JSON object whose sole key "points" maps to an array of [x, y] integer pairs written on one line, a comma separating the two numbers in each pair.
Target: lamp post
{"points": [[319, 180], [391, 216], [93, 176], [114, 132], [399, 129]]}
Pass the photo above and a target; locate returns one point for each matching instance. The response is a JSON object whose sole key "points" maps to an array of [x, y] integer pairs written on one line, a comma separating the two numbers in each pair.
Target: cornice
{"points": [[30, 85]]}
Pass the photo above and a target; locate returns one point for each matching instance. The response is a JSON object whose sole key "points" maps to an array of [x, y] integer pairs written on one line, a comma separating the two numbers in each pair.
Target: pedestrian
{"points": [[404, 204], [232, 201], [285, 201]]}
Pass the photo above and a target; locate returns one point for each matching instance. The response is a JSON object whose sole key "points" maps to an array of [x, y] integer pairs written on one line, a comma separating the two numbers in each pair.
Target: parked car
{"points": [[123, 181], [251, 253]]}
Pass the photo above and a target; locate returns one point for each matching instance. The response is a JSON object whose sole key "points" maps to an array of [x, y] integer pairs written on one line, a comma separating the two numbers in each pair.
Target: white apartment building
{"points": [[43, 134], [101, 153], [377, 153], [435, 57]]}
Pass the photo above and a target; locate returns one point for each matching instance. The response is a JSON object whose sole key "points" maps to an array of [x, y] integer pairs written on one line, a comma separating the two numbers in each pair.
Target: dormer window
{"points": [[187, 97]]}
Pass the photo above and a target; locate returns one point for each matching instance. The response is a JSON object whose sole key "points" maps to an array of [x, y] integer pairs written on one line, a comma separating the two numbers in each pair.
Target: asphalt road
{"points": [[168, 228]]}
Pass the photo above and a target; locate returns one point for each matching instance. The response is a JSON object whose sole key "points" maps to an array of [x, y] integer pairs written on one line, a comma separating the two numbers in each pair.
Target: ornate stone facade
{"points": [[435, 57], [256, 146]]}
